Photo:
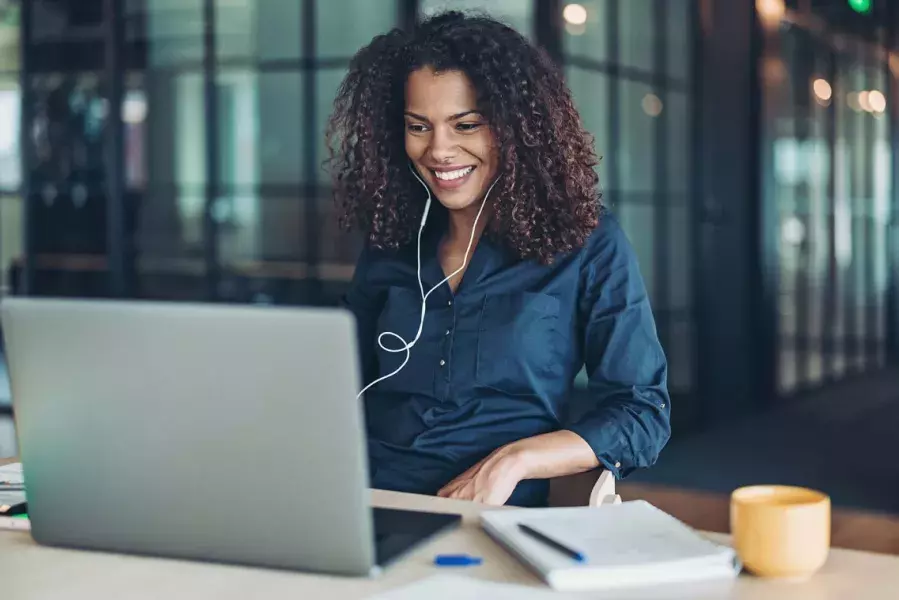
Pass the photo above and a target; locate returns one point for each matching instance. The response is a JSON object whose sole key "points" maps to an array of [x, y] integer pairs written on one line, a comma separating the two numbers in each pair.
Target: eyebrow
{"points": [[451, 118]]}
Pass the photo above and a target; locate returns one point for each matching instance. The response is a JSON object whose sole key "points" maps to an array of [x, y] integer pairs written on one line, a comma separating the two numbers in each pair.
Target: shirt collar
{"points": [[486, 256]]}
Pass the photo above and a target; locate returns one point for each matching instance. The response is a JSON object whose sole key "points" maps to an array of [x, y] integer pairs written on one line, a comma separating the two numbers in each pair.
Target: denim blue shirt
{"points": [[496, 359]]}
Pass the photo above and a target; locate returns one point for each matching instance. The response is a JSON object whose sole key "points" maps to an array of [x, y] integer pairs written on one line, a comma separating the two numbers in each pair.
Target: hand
{"points": [[490, 481]]}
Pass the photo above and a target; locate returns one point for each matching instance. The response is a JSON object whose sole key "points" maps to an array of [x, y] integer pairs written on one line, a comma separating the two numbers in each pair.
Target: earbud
{"points": [[407, 346]]}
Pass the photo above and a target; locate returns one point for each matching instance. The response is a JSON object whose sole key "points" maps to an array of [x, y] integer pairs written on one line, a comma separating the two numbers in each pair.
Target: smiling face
{"points": [[447, 139]]}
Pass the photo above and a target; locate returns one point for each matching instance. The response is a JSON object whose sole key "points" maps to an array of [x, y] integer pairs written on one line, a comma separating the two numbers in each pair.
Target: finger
{"points": [[450, 487], [464, 492]]}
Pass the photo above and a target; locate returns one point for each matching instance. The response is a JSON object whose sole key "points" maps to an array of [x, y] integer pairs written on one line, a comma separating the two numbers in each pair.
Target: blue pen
{"points": [[578, 556], [457, 560]]}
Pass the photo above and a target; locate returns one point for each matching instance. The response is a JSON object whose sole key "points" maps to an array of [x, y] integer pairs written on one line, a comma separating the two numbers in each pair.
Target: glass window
{"points": [[841, 218], [134, 122], [640, 108], [278, 27], [636, 33], [679, 21], [235, 29], [270, 228], [680, 351], [186, 107], [9, 36], [344, 26], [831, 194], [10, 162], [258, 29], [680, 257], [169, 230], [518, 14], [168, 113], [679, 142], [588, 39], [239, 140], [326, 83], [280, 135], [173, 30], [590, 90], [880, 224], [11, 240]]}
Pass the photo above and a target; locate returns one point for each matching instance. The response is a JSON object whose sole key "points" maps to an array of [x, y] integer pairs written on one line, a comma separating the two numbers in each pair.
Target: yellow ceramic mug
{"points": [[780, 531]]}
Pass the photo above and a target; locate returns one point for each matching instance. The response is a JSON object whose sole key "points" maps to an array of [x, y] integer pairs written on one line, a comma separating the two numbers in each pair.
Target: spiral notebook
{"points": [[633, 543]]}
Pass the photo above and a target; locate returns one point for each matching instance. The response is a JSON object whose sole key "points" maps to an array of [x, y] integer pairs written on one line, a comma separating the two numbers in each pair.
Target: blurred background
{"points": [[172, 150]]}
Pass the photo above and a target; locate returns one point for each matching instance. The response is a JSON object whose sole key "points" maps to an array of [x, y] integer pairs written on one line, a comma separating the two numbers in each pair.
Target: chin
{"points": [[458, 200], [462, 198]]}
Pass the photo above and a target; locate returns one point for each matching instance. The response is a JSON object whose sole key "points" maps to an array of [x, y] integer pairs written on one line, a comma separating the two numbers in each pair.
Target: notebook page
{"points": [[632, 533]]}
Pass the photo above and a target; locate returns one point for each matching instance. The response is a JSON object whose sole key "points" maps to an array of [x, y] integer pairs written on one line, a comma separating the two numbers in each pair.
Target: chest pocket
{"points": [[519, 342], [401, 315]]}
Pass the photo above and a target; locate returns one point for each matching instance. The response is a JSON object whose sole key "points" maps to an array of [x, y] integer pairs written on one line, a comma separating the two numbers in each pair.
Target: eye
{"points": [[468, 126], [416, 128]]}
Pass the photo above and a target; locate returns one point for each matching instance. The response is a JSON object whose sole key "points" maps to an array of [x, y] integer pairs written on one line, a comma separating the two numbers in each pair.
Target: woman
{"points": [[524, 278]]}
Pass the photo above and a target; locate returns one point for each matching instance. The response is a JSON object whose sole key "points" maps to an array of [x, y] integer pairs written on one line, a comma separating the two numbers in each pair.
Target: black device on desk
{"points": [[12, 510], [200, 431]]}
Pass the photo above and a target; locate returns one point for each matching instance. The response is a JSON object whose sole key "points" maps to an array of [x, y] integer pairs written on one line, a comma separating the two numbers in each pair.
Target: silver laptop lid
{"points": [[225, 433]]}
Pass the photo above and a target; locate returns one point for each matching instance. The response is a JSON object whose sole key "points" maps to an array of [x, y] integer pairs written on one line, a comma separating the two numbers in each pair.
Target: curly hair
{"points": [[546, 200]]}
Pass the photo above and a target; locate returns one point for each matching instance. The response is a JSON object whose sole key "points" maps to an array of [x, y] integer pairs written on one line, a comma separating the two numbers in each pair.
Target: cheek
{"points": [[489, 152], [415, 147]]}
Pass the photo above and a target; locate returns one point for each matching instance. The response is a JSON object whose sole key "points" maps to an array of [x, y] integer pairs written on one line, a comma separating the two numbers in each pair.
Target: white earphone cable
{"points": [[407, 346]]}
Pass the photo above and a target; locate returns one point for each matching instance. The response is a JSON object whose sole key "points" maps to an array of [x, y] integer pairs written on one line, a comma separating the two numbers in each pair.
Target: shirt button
{"points": [[442, 362], [617, 465], [448, 332], [449, 303]]}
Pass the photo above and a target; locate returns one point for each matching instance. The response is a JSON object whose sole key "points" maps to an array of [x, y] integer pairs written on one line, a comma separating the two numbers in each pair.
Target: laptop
{"points": [[220, 433]]}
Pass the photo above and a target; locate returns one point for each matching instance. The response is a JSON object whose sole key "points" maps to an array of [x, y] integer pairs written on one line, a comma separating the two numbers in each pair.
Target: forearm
{"points": [[552, 455]]}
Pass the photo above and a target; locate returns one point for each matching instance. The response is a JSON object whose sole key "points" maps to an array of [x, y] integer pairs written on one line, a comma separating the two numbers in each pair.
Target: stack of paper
{"points": [[11, 480], [633, 543], [11, 474]]}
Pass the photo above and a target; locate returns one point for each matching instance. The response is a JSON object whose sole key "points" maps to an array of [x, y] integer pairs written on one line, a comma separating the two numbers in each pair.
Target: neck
{"points": [[462, 221]]}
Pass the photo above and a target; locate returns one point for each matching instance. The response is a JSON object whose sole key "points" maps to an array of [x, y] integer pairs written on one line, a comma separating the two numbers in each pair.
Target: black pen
{"points": [[578, 556]]}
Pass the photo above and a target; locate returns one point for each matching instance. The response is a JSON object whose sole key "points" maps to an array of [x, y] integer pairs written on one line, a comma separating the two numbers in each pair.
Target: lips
{"points": [[449, 179]]}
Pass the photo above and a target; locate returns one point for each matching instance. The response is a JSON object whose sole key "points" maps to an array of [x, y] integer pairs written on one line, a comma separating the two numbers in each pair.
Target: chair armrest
{"points": [[592, 488]]}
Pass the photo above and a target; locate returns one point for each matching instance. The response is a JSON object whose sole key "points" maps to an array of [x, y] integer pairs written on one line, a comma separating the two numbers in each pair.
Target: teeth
{"points": [[450, 175]]}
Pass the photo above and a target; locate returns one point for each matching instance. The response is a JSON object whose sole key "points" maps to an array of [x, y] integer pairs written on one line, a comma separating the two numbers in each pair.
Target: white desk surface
{"points": [[30, 572]]}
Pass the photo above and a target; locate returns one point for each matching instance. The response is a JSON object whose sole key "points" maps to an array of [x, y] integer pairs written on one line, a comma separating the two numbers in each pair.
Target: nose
{"points": [[443, 147]]}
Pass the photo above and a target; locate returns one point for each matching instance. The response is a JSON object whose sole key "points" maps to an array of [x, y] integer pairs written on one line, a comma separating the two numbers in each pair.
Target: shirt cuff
{"points": [[610, 448]]}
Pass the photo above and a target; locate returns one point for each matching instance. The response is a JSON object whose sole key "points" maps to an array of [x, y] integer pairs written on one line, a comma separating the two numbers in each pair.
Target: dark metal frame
{"points": [[310, 155], [732, 265], [547, 27], [831, 290], [893, 231], [661, 215], [114, 150], [210, 99], [765, 228], [25, 30], [850, 297], [613, 172]]}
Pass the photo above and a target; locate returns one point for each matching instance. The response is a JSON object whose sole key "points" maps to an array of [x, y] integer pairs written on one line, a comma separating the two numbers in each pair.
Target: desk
{"points": [[29, 571]]}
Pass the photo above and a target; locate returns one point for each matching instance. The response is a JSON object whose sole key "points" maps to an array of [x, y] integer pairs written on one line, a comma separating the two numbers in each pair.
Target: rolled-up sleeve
{"points": [[629, 422]]}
